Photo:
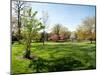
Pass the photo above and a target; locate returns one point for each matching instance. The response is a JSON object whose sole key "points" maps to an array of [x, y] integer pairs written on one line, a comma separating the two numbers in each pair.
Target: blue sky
{"points": [[68, 15]]}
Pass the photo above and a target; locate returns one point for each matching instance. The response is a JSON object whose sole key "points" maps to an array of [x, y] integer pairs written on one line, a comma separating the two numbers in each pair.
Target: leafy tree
{"points": [[31, 27], [36, 37], [87, 29]]}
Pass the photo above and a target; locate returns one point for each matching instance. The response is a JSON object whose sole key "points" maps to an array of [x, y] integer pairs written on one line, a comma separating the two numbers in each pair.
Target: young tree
{"points": [[31, 27]]}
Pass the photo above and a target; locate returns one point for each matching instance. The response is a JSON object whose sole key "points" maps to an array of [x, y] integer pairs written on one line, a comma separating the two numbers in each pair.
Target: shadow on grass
{"points": [[60, 64]]}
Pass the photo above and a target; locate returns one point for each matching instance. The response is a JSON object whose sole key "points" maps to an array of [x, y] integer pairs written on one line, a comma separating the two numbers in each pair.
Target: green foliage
{"points": [[86, 31], [31, 27]]}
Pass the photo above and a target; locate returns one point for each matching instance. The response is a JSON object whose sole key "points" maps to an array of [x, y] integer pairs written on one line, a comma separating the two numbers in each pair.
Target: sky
{"points": [[67, 15]]}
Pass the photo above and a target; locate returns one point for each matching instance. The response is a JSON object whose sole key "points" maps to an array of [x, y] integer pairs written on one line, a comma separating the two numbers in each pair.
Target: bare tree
{"points": [[17, 9]]}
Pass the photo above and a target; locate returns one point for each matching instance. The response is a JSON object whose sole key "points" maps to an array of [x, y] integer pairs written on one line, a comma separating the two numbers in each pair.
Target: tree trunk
{"points": [[43, 37], [27, 54], [19, 24], [91, 41], [28, 47], [58, 38]]}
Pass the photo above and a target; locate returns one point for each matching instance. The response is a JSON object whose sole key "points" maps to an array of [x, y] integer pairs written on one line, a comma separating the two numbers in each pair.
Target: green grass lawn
{"points": [[53, 57]]}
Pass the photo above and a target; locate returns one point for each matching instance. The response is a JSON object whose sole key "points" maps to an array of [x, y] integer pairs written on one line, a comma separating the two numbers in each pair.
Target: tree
{"points": [[60, 30], [87, 29], [31, 27], [18, 7], [36, 37], [65, 32], [56, 30], [44, 19]]}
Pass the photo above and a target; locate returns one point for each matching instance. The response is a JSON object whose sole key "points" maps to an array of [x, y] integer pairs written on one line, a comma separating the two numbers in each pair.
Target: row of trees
{"points": [[26, 27], [85, 31]]}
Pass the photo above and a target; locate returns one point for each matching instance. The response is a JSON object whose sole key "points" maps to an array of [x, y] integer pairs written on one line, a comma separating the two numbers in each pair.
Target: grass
{"points": [[53, 57]]}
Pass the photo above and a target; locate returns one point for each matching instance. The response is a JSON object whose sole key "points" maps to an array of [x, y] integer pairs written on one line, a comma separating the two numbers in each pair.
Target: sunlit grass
{"points": [[84, 52]]}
